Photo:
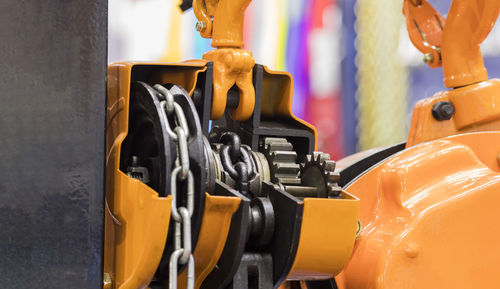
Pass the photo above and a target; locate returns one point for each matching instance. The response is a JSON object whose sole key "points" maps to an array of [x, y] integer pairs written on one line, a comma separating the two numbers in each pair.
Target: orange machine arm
{"points": [[468, 24], [453, 43]]}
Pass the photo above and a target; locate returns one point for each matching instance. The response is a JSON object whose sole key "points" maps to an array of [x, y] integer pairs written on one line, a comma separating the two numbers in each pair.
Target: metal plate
{"points": [[52, 125]]}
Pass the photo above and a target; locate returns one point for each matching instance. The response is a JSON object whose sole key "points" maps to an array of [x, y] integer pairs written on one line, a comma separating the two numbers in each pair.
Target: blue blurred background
{"points": [[356, 73]]}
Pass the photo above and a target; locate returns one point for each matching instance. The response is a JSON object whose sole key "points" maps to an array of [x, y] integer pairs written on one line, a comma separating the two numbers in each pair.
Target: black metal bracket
{"points": [[256, 128], [229, 261], [254, 272]]}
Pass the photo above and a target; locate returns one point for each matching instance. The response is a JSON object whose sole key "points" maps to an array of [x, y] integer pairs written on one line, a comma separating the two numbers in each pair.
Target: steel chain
{"points": [[236, 161], [182, 253]]}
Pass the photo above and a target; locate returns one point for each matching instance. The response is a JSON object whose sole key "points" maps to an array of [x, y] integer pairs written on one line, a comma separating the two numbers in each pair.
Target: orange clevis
{"points": [[222, 20]]}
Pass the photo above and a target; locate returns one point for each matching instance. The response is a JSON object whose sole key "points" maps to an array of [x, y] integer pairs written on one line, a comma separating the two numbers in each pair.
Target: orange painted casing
{"points": [[327, 236], [213, 234], [137, 219], [477, 108], [277, 98], [428, 215]]}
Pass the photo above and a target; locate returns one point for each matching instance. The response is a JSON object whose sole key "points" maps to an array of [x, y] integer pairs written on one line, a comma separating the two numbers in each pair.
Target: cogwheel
{"points": [[282, 161], [319, 171]]}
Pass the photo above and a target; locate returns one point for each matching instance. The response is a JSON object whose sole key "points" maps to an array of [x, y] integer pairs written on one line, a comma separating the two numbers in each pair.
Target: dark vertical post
{"points": [[52, 127]]}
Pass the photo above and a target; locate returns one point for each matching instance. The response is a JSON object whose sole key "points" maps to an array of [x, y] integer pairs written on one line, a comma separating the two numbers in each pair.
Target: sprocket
{"points": [[319, 171]]}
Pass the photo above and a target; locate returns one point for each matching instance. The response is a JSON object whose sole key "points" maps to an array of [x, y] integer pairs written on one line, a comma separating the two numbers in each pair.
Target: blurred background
{"points": [[356, 73]]}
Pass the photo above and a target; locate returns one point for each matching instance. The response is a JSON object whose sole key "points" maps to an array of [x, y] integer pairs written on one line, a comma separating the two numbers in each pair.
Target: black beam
{"points": [[52, 126]]}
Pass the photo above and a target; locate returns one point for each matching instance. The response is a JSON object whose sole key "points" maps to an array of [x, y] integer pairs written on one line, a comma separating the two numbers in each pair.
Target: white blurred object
{"points": [[326, 54], [140, 30]]}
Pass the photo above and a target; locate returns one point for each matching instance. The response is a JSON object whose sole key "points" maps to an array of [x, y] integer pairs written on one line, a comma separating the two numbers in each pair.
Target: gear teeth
{"points": [[332, 177], [282, 161], [322, 162], [316, 156], [279, 147], [320, 157], [288, 181], [329, 165], [277, 144], [286, 168], [282, 156]]}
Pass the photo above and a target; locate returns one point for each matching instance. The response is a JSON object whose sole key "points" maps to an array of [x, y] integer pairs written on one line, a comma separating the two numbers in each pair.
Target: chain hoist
{"points": [[181, 215]]}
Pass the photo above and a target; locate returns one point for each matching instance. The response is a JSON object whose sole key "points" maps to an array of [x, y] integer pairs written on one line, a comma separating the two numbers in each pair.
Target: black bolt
{"points": [[443, 110]]}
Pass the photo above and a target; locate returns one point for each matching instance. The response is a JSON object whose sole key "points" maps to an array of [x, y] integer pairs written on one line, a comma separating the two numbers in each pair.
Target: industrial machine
{"points": [[213, 183]]}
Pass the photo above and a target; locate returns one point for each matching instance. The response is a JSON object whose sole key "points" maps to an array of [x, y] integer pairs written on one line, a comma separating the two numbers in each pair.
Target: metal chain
{"points": [[182, 253], [236, 161]]}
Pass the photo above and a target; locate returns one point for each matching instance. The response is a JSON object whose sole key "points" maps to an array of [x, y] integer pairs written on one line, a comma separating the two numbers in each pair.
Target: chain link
{"points": [[181, 173], [236, 161]]}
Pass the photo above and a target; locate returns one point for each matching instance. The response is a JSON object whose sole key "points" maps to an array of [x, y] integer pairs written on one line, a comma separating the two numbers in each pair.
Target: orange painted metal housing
{"points": [[429, 215], [213, 234], [137, 219], [477, 108], [475, 98], [327, 237], [277, 98], [428, 211]]}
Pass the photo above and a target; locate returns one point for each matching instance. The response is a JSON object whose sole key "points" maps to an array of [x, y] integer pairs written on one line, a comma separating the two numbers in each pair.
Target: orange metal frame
{"points": [[137, 219], [428, 215], [428, 211], [456, 40]]}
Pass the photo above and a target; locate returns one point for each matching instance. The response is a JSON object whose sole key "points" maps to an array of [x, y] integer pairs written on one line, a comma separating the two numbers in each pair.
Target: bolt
{"points": [[200, 26], [428, 58], [443, 110]]}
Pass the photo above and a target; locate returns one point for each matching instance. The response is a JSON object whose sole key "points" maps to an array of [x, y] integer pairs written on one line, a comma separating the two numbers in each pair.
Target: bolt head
{"points": [[428, 58], [443, 110], [200, 26]]}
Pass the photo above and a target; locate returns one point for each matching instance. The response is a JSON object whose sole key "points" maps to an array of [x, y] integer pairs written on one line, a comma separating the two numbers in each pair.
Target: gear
{"points": [[282, 161], [319, 171]]}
